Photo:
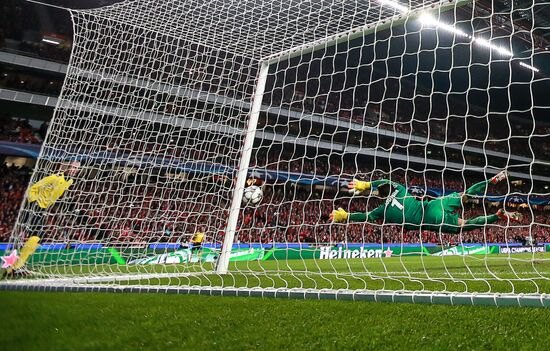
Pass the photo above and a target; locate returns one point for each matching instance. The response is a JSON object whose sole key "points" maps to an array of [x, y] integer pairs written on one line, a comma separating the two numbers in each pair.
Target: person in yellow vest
{"points": [[48, 190], [196, 241]]}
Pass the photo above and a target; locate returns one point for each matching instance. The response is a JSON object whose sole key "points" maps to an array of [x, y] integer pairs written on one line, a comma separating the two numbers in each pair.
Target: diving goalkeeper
{"points": [[400, 207]]}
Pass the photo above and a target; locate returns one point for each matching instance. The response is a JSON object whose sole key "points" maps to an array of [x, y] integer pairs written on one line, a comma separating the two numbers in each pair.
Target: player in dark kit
{"points": [[400, 207]]}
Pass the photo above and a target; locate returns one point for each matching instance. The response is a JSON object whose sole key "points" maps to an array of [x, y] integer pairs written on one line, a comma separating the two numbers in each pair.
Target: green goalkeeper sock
{"points": [[478, 188], [479, 222]]}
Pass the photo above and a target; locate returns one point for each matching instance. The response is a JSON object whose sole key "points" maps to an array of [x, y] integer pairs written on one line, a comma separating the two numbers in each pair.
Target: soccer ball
{"points": [[252, 195]]}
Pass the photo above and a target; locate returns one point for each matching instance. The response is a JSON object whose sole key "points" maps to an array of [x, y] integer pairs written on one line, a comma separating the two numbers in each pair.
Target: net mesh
{"points": [[436, 96]]}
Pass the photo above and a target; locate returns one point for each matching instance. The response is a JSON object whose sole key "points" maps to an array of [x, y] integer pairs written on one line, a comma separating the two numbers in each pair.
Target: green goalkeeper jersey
{"points": [[400, 207]]}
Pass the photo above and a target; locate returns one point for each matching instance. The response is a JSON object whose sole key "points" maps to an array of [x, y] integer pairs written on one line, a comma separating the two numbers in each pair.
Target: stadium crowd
{"points": [[118, 212], [20, 131], [350, 167], [305, 219], [284, 159], [137, 213], [354, 106], [13, 182]]}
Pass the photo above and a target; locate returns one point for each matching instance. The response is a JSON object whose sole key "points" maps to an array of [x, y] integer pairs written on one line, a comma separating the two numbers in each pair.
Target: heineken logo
{"points": [[330, 253]]}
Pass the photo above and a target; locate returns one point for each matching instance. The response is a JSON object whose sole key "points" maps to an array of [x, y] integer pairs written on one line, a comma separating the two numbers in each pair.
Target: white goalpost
{"points": [[171, 108], [223, 261]]}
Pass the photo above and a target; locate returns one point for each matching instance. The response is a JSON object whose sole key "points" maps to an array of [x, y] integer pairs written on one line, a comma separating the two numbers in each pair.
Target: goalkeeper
{"points": [[400, 207]]}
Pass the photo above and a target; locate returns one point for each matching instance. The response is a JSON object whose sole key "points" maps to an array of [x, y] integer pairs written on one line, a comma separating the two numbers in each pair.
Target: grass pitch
{"points": [[497, 273], [93, 321]]}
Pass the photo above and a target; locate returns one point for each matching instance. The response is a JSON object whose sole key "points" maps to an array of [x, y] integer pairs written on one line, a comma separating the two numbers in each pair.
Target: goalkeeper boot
{"points": [[500, 176], [512, 216]]}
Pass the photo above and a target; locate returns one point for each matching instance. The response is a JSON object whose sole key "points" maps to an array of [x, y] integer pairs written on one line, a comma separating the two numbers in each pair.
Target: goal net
{"points": [[170, 109]]}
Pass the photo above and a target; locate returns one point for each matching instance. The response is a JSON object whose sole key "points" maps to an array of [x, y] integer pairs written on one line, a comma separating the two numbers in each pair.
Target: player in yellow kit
{"points": [[48, 190], [196, 241]]}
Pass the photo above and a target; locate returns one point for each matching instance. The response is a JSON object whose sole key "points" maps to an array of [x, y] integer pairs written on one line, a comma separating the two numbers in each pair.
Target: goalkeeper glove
{"points": [[339, 215], [46, 191], [358, 186]]}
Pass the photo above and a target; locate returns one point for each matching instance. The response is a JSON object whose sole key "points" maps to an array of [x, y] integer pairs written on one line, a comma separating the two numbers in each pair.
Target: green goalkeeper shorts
{"points": [[439, 214]]}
